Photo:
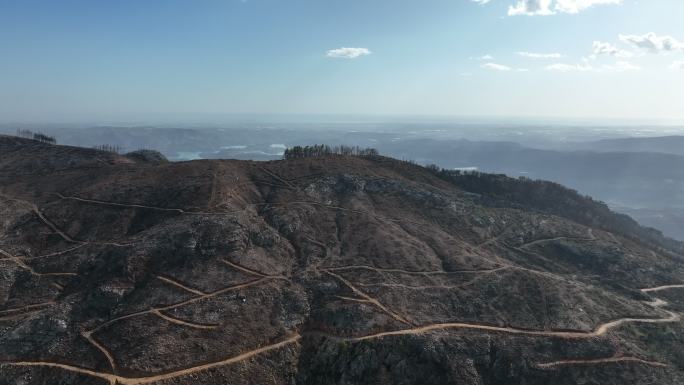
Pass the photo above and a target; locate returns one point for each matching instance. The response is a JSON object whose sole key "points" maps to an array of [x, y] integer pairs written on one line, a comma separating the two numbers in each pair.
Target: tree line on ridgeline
{"points": [[322, 150], [28, 134], [109, 148], [114, 149]]}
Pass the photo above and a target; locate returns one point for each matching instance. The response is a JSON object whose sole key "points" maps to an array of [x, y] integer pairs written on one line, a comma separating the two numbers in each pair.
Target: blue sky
{"points": [[73, 60]]}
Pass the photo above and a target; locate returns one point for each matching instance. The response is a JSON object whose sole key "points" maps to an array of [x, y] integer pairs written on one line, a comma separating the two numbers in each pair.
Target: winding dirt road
{"points": [[183, 303], [122, 205], [183, 211], [661, 288], [27, 307], [20, 262], [413, 330], [179, 285], [120, 380], [57, 253], [598, 361], [181, 322], [110, 358], [56, 229], [411, 272], [547, 240], [370, 299], [603, 329]]}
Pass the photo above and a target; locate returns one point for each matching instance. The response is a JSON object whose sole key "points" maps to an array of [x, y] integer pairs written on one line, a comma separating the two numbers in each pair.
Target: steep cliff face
{"points": [[338, 270]]}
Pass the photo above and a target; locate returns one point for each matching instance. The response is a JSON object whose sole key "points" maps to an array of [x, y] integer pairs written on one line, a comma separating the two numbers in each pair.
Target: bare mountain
{"points": [[328, 270]]}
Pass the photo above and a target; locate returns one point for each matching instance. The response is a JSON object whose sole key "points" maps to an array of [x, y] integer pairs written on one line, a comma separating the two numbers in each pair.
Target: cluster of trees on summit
{"points": [[109, 148], [142, 153], [321, 150], [28, 134]]}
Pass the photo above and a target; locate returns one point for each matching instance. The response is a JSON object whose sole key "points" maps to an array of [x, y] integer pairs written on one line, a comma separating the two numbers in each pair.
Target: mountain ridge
{"points": [[318, 270]]}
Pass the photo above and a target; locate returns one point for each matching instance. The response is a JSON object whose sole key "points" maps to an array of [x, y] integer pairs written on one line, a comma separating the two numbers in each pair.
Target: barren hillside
{"points": [[332, 270]]}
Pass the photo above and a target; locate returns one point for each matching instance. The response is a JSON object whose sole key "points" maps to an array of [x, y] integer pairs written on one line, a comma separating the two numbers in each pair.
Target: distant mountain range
{"points": [[663, 144]]}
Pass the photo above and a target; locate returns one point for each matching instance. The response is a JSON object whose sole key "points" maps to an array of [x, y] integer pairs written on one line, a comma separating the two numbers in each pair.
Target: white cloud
{"points": [[481, 2], [575, 6], [534, 55], [552, 7], [484, 57], [620, 66], [496, 67], [653, 43], [501, 67], [563, 67], [348, 53], [601, 48], [531, 8], [678, 65]]}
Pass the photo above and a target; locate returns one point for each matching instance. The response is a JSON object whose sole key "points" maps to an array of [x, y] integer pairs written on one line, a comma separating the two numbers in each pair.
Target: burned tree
{"points": [[321, 150]]}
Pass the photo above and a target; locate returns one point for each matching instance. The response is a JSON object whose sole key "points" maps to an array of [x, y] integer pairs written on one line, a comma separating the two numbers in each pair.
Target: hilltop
{"points": [[321, 270]]}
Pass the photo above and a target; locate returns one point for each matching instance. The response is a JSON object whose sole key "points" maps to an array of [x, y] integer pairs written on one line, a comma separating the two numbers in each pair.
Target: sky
{"points": [[73, 60]]}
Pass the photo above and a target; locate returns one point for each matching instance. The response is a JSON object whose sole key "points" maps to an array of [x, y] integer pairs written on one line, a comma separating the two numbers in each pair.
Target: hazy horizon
{"points": [[215, 120]]}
